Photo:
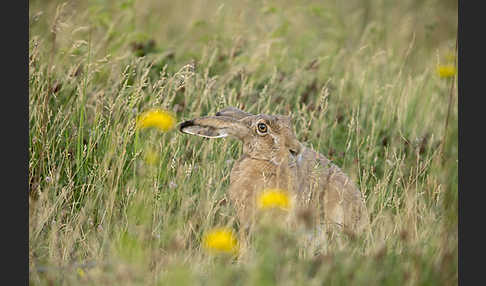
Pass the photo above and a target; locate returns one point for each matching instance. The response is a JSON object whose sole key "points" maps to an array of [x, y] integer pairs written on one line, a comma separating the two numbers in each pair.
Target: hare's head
{"points": [[264, 137]]}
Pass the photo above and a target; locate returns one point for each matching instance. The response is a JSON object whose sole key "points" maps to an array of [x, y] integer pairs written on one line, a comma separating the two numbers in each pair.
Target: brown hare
{"points": [[274, 158]]}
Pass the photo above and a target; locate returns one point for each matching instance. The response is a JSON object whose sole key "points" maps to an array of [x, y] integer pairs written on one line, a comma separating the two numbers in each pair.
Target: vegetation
{"points": [[364, 82]]}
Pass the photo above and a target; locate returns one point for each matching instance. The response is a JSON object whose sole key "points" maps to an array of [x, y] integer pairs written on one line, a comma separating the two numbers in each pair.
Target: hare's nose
{"points": [[295, 147]]}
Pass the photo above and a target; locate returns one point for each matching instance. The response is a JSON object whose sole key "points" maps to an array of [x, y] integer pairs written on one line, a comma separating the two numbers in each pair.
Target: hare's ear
{"points": [[233, 112], [215, 127]]}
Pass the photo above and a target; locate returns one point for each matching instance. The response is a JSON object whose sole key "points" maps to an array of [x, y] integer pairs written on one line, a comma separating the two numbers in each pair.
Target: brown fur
{"points": [[276, 159]]}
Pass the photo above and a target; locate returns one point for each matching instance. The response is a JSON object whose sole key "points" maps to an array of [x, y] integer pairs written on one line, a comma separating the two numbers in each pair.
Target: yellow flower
{"points": [[80, 272], [151, 156], [446, 71], [158, 118], [274, 198], [221, 240]]}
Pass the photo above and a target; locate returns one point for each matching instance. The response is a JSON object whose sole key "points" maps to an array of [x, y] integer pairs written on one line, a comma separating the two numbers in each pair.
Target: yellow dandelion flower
{"points": [[274, 198], [151, 157], [158, 118], [81, 272], [445, 71], [221, 240]]}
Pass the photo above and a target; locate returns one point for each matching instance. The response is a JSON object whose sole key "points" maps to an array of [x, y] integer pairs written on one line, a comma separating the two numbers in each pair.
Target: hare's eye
{"points": [[262, 127]]}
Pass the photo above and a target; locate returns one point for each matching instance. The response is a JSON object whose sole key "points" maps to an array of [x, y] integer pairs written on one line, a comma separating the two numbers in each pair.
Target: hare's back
{"points": [[323, 183]]}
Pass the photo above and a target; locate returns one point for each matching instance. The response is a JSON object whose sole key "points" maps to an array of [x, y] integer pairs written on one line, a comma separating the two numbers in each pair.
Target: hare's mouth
{"points": [[296, 155]]}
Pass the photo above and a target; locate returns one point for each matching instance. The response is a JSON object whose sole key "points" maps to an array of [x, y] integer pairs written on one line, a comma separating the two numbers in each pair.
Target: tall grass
{"points": [[358, 77]]}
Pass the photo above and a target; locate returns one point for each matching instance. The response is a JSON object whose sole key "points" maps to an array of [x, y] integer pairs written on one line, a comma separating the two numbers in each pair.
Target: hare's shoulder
{"points": [[318, 167], [312, 162]]}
